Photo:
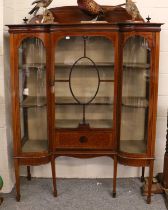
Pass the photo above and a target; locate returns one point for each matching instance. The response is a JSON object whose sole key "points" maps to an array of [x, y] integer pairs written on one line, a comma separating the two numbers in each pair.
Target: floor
{"points": [[81, 194]]}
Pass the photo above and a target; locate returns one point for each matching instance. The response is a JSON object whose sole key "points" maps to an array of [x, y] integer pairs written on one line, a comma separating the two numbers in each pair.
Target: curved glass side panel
{"points": [[32, 91], [84, 82], [135, 95]]}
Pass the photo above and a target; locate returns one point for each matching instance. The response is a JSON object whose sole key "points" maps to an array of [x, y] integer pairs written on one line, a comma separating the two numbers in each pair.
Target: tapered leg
{"points": [[17, 177], [115, 176], [143, 174], [28, 173], [150, 181], [54, 176]]}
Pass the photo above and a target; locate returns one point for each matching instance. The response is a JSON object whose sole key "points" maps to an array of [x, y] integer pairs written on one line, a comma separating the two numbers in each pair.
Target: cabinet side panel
{"points": [[154, 93], [14, 93]]}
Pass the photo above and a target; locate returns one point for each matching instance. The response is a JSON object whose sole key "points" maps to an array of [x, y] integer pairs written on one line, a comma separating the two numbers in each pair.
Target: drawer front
{"points": [[86, 140]]}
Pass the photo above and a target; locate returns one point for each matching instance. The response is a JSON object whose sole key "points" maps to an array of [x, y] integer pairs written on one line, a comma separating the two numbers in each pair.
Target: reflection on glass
{"points": [[84, 82], [135, 95], [32, 89]]}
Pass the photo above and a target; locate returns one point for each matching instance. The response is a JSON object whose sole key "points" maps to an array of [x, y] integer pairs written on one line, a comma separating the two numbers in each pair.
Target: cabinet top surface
{"points": [[121, 26]]}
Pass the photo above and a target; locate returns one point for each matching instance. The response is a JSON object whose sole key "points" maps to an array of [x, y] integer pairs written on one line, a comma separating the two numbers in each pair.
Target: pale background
{"points": [[13, 11]]}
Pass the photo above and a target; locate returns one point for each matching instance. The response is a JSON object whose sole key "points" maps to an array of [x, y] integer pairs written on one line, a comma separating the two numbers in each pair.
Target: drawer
{"points": [[86, 140]]}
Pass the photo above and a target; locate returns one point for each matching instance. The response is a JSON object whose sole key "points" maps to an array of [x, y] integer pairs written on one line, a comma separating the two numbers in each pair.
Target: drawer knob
{"points": [[83, 139]]}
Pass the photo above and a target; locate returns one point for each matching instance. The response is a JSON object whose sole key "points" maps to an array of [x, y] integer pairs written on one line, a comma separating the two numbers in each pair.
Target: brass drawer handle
{"points": [[83, 139]]}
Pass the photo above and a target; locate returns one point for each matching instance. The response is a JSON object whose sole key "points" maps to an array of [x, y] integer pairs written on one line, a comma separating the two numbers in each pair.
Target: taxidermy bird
{"points": [[39, 4], [91, 7], [132, 10]]}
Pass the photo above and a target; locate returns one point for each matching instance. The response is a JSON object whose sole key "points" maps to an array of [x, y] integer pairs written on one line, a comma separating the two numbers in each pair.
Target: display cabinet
{"points": [[83, 89]]}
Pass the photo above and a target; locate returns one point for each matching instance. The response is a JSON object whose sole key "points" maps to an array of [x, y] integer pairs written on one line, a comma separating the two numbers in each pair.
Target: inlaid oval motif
{"points": [[84, 80]]}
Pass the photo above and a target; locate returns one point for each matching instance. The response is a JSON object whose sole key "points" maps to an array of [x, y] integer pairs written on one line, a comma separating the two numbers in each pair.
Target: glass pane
{"points": [[135, 95], [32, 87], [84, 82], [65, 116]]}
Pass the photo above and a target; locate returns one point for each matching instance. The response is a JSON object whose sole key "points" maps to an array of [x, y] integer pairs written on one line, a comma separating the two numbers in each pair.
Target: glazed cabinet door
{"points": [[84, 92], [136, 84], [32, 95]]}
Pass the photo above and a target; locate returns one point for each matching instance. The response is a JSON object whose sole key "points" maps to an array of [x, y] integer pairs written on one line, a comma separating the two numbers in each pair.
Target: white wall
{"points": [[6, 171], [97, 167]]}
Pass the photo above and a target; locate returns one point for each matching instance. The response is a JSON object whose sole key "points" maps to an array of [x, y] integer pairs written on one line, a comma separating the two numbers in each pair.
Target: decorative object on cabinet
{"points": [[47, 16], [148, 19], [25, 20], [132, 9], [39, 4], [96, 11], [75, 90], [1, 185], [91, 7], [66, 15]]}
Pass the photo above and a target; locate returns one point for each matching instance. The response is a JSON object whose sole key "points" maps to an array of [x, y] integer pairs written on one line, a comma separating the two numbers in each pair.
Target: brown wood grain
{"points": [[91, 140], [96, 142]]}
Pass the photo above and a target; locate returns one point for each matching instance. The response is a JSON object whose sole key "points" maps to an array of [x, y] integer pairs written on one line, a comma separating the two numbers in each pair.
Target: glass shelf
{"points": [[136, 66], [70, 123], [71, 101], [101, 80], [33, 101], [35, 145], [32, 66], [98, 64], [135, 102], [41, 65], [133, 146]]}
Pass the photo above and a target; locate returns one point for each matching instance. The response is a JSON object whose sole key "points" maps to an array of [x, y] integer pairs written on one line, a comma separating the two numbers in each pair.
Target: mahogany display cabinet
{"points": [[83, 90]]}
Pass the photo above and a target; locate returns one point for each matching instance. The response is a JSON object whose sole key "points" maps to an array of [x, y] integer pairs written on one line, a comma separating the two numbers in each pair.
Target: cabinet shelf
{"points": [[32, 66], [135, 102], [35, 146], [32, 101], [70, 123], [136, 66], [133, 146], [71, 101], [64, 65], [98, 64]]}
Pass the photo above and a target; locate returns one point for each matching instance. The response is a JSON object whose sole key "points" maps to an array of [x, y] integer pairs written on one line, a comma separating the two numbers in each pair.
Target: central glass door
{"points": [[84, 82]]}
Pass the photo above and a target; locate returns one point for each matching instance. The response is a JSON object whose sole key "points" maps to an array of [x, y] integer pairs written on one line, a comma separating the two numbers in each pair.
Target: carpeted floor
{"points": [[81, 194]]}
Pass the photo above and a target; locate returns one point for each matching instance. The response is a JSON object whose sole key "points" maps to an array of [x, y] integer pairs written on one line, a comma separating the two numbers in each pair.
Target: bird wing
{"points": [[37, 1]]}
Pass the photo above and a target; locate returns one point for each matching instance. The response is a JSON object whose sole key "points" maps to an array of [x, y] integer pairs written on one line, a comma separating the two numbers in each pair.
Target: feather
{"points": [[40, 4], [35, 9], [37, 1]]}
